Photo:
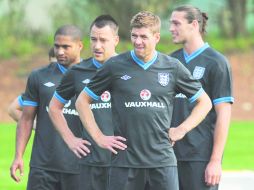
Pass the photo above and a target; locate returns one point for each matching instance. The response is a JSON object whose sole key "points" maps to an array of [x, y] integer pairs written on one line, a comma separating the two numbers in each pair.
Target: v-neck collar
{"points": [[190, 57], [141, 63]]}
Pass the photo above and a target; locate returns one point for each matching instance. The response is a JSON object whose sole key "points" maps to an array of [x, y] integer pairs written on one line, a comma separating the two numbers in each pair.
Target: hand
{"points": [[17, 165], [112, 142], [176, 134], [213, 173], [79, 146]]}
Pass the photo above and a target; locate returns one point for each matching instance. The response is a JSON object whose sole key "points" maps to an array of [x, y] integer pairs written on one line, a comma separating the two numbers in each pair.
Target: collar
{"points": [[96, 63], [188, 58], [62, 68], [141, 63]]}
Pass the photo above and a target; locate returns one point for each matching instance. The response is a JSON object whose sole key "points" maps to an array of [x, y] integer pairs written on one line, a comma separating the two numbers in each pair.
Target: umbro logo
{"points": [[86, 81], [125, 77], [49, 84]]}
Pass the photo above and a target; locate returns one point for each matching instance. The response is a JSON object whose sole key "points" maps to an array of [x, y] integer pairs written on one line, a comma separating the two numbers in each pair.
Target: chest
{"points": [[81, 79], [47, 85], [135, 81]]}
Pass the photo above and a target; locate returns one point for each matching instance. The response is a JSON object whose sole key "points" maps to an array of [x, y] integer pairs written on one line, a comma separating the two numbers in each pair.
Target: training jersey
{"points": [[142, 102], [213, 71], [72, 83], [49, 152]]}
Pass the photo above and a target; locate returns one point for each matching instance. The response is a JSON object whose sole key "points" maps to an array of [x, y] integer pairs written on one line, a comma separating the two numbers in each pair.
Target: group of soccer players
{"points": [[141, 121]]}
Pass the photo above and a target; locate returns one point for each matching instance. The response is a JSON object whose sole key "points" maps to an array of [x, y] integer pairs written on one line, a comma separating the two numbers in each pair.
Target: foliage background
{"points": [[27, 28]]}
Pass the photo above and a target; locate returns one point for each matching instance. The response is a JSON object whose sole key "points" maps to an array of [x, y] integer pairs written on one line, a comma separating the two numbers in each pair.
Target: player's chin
{"points": [[64, 63], [139, 51], [98, 57], [176, 41]]}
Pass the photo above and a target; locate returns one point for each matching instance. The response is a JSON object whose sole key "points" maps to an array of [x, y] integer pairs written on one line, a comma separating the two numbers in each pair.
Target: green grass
{"points": [[239, 153], [7, 150]]}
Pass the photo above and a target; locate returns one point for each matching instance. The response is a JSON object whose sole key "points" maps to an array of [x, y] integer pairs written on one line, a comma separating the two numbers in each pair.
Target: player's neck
{"points": [[77, 60], [193, 44]]}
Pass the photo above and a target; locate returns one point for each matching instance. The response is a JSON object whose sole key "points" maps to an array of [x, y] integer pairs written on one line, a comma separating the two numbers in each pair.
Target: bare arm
{"points": [[87, 118], [198, 113], [214, 170], [77, 145], [15, 110], [23, 133]]}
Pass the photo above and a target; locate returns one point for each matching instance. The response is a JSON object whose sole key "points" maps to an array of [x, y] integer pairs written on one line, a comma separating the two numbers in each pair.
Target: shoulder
{"points": [[43, 69], [216, 56], [120, 59], [167, 59], [86, 63], [176, 53], [216, 60]]}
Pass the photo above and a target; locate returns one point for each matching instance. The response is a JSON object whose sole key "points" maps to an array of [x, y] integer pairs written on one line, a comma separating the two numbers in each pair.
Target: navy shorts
{"points": [[50, 180], [164, 178], [93, 178], [192, 176]]}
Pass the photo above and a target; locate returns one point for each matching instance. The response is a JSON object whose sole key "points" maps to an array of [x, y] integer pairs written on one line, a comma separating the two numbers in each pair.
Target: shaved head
{"points": [[70, 30]]}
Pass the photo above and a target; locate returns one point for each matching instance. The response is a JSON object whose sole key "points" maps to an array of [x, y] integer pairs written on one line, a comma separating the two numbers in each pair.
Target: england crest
{"points": [[163, 79], [198, 72]]}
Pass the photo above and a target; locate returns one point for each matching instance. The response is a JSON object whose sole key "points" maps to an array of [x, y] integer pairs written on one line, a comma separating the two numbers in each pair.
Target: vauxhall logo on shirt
{"points": [[144, 95], [105, 98]]}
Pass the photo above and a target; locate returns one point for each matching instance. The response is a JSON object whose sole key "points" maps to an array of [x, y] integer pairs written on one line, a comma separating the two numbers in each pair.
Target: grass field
{"points": [[239, 153]]}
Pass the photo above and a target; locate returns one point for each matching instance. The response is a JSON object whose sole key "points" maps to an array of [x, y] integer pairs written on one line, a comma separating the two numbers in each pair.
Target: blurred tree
{"points": [[238, 17], [232, 19], [13, 17], [123, 10]]}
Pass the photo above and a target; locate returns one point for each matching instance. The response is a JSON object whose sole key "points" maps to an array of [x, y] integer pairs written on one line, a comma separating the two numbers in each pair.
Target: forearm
{"points": [[220, 134], [198, 113], [23, 133], [87, 119], [60, 123]]}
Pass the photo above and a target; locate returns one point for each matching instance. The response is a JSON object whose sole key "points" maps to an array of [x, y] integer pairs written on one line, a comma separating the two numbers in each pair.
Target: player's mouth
{"points": [[174, 35], [61, 59], [97, 53], [139, 48]]}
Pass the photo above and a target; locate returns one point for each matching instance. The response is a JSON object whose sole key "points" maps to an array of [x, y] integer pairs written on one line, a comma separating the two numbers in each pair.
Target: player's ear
{"points": [[81, 45], [116, 40], [157, 36]]}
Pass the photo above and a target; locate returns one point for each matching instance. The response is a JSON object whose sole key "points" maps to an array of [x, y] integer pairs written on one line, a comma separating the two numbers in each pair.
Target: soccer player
{"points": [[142, 84], [52, 165], [94, 167], [199, 153], [16, 106]]}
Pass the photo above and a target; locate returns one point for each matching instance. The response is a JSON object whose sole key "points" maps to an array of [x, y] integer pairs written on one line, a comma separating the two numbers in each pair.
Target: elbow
{"points": [[12, 114], [9, 111], [52, 111], [77, 104]]}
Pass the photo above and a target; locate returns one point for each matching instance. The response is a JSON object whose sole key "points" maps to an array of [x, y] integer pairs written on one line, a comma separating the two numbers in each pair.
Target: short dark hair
{"points": [[105, 20], [194, 13], [70, 30], [51, 52]]}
